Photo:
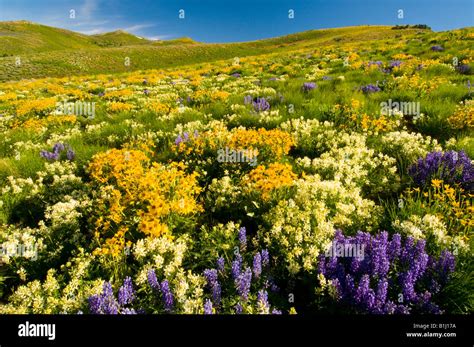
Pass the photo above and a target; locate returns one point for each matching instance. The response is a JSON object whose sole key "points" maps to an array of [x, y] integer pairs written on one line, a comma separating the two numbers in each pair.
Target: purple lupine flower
{"points": [[196, 134], [243, 283], [445, 265], [243, 238], [238, 308], [349, 284], [220, 264], [109, 305], [451, 167], [58, 147], [56, 153], [424, 300], [167, 296], [275, 311], [126, 292], [208, 307], [146, 91], [257, 265], [364, 294], [242, 276], [186, 136], [419, 260], [94, 304], [260, 104], [394, 247], [407, 283], [437, 48], [336, 284], [101, 94], [145, 81], [395, 63], [370, 88], [236, 75], [70, 154], [213, 284], [236, 266], [378, 63], [265, 258], [382, 290], [434, 286], [381, 264], [389, 268], [49, 155], [262, 300], [270, 283], [178, 140], [407, 248], [247, 99], [105, 302], [152, 280], [307, 86]]}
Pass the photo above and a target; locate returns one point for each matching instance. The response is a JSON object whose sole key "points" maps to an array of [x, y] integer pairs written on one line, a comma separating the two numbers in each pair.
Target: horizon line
{"points": [[221, 42]]}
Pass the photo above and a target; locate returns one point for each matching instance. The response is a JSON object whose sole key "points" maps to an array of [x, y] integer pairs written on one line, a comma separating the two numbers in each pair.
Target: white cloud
{"points": [[91, 23], [159, 37], [94, 31], [137, 27], [131, 29], [88, 8]]}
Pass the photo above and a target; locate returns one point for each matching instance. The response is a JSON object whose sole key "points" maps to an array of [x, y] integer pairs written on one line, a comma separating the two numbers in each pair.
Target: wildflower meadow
{"points": [[322, 174]]}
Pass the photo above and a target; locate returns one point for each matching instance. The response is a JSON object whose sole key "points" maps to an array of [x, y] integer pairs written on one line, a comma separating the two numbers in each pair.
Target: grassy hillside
{"points": [[22, 37], [46, 51], [118, 38]]}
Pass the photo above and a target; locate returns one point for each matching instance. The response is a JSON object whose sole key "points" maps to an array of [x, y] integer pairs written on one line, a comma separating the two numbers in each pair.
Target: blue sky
{"points": [[234, 20]]}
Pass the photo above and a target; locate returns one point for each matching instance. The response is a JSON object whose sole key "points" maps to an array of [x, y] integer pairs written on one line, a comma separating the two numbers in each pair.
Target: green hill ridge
{"points": [[46, 51]]}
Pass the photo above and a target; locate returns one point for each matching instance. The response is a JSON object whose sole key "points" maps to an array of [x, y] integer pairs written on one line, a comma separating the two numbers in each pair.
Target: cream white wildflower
{"points": [[409, 146], [302, 226]]}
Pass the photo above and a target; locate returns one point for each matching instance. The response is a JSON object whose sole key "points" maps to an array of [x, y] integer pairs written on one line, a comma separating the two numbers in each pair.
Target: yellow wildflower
{"points": [[436, 183]]}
